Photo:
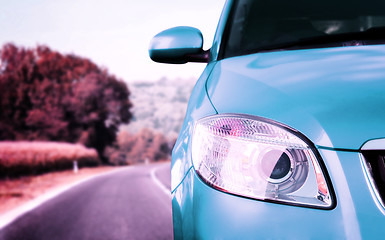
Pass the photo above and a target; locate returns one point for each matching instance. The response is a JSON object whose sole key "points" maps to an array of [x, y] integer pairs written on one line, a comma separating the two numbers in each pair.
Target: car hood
{"points": [[334, 96]]}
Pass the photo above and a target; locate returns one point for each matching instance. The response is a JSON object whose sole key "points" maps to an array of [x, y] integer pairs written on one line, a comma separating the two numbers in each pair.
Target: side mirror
{"points": [[178, 45]]}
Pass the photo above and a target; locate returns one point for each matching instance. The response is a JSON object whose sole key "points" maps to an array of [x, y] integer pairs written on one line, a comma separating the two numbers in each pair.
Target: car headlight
{"points": [[260, 159]]}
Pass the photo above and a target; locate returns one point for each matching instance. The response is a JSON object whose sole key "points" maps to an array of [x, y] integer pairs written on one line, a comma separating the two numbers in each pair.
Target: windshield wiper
{"points": [[332, 40]]}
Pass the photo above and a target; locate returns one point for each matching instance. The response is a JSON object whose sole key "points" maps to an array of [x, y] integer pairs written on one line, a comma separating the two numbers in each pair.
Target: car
{"points": [[284, 134]]}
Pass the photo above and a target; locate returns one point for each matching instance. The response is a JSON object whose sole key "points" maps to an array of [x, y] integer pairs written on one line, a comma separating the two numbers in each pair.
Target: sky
{"points": [[114, 34]]}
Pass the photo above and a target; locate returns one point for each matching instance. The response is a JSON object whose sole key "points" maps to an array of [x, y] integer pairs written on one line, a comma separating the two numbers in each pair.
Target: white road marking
{"points": [[159, 183]]}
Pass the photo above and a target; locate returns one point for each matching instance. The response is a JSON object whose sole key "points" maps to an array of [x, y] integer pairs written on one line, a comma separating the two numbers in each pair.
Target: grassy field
{"points": [[32, 158]]}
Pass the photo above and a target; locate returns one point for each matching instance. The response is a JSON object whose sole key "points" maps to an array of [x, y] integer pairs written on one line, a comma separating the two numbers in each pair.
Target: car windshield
{"points": [[260, 25]]}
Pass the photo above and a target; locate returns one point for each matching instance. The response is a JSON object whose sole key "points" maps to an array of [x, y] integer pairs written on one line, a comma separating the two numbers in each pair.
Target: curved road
{"points": [[127, 204]]}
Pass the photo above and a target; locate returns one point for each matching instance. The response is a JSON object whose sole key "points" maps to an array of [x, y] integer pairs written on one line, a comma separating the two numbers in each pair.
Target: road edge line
{"points": [[162, 187]]}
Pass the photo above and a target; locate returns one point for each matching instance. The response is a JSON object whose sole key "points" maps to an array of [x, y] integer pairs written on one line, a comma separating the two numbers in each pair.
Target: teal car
{"points": [[284, 135]]}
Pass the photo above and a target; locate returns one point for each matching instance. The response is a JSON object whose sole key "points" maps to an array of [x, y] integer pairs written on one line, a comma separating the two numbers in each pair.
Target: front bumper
{"points": [[201, 212]]}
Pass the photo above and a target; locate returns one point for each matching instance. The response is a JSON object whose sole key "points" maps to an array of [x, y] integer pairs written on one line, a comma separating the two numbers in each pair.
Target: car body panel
{"points": [[240, 85], [199, 106], [331, 95]]}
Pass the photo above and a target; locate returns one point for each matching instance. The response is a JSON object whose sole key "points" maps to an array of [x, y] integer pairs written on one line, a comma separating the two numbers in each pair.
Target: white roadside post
{"points": [[76, 169]]}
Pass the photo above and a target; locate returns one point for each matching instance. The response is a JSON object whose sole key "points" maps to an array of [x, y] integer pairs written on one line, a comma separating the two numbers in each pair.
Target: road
{"points": [[127, 204]]}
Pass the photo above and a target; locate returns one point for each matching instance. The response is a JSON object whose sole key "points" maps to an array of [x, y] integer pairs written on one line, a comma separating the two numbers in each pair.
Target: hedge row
{"points": [[32, 158]]}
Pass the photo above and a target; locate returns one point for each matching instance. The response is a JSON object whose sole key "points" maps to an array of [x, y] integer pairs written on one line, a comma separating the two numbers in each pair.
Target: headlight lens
{"points": [[260, 159]]}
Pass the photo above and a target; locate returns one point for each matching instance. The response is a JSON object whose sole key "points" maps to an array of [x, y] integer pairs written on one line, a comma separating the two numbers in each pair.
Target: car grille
{"points": [[375, 162]]}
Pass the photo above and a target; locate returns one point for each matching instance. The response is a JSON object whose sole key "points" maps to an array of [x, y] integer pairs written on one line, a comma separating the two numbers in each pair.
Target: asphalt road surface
{"points": [[129, 204]]}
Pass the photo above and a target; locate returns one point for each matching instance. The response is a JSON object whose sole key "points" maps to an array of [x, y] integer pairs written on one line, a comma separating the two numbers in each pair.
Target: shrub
{"points": [[31, 158]]}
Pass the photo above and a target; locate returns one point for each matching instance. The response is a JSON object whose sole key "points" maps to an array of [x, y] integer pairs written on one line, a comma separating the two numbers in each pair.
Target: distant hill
{"points": [[159, 105]]}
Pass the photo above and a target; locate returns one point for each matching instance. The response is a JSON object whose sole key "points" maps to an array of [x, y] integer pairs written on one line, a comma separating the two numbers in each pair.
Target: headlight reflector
{"points": [[257, 158]]}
